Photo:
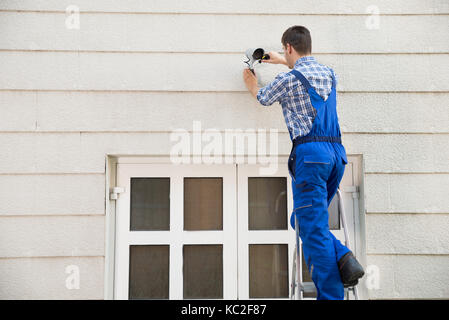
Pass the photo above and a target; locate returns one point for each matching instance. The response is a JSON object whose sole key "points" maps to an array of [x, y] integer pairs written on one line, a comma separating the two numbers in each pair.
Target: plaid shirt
{"points": [[294, 98]]}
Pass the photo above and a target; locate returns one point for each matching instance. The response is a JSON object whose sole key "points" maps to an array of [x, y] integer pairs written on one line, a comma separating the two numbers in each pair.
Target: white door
{"points": [[176, 232], [208, 231]]}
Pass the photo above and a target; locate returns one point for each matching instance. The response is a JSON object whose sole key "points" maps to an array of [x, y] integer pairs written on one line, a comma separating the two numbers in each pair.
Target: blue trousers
{"points": [[318, 170]]}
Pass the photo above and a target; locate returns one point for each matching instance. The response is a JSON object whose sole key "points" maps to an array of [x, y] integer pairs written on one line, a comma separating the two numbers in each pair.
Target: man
{"points": [[317, 159]]}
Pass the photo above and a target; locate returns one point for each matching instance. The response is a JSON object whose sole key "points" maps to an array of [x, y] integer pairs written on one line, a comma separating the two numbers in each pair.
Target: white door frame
{"points": [[152, 166]]}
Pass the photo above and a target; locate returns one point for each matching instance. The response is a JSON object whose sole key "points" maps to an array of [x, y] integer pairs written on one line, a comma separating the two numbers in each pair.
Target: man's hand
{"points": [[275, 58], [250, 82]]}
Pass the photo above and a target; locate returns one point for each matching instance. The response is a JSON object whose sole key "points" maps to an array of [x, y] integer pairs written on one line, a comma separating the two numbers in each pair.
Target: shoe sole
{"points": [[353, 284]]}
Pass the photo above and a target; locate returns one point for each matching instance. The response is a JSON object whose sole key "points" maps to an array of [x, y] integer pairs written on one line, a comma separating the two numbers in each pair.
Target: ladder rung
{"points": [[307, 287]]}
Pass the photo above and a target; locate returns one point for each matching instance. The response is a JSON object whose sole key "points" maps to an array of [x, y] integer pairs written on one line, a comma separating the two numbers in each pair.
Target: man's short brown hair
{"points": [[299, 38]]}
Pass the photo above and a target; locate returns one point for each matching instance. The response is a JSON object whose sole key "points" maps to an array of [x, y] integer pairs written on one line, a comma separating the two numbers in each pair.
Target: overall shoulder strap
{"points": [[301, 78]]}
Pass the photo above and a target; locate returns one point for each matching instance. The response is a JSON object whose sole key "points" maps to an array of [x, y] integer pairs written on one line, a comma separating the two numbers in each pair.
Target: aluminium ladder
{"points": [[298, 288]]}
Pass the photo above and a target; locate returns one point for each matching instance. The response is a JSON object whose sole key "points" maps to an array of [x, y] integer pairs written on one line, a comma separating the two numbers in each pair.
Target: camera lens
{"points": [[258, 54]]}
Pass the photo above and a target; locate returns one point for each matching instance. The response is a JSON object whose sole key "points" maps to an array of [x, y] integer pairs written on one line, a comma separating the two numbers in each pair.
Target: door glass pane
{"points": [[148, 272], [203, 203], [203, 271], [150, 204], [267, 203], [268, 271], [334, 214]]}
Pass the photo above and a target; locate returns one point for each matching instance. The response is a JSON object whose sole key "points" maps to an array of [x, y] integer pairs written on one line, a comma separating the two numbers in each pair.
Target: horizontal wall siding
{"points": [[59, 152], [359, 112], [235, 6], [410, 276], [137, 70], [124, 32], [407, 234], [51, 194], [401, 153], [192, 72], [407, 193], [46, 278], [44, 236]]}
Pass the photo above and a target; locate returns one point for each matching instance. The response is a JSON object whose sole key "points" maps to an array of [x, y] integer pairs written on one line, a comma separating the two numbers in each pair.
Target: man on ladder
{"points": [[317, 159]]}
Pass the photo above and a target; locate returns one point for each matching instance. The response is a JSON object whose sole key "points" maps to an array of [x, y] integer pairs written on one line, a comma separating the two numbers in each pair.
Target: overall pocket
{"points": [[316, 167], [317, 158]]}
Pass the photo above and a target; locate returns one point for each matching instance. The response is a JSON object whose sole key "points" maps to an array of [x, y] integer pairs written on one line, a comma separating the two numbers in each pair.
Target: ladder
{"points": [[298, 288]]}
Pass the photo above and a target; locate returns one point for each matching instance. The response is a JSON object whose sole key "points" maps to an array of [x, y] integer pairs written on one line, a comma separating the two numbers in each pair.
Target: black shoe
{"points": [[350, 270]]}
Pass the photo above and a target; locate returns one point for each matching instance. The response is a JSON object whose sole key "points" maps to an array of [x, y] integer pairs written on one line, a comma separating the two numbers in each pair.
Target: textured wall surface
{"points": [[135, 70]]}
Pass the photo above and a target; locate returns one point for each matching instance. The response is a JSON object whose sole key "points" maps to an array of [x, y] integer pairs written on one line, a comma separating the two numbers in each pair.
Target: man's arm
{"points": [[250, 82]]}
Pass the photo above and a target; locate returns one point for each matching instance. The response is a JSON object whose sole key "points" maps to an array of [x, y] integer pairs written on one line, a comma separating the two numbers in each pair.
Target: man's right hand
{"points": [[275, 58]]}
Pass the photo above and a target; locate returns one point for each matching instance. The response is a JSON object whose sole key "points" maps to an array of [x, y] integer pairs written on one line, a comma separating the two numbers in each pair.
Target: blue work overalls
{"points": [[316, 164]]}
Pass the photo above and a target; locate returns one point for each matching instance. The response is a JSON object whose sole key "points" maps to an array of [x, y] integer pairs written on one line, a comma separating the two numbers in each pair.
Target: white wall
{"points": [[137, 69]]}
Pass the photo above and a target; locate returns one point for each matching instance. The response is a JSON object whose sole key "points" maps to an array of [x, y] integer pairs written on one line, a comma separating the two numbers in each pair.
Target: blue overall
{"points": [[316, 164]]}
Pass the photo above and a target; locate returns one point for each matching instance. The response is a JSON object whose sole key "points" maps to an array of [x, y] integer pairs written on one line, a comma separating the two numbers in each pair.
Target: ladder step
{"points": [[307, 287]]}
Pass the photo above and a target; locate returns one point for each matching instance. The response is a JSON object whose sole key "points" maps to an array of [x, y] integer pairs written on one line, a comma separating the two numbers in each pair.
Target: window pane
{"points": [[148, 272], [150, 204], [203, 203], [334, 214], [203, 271], [267, 203], [268, 271]]}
